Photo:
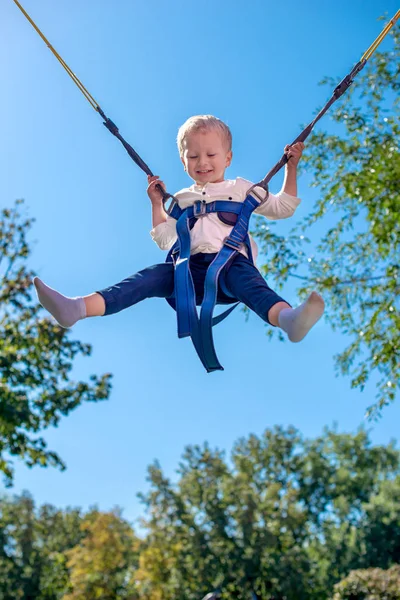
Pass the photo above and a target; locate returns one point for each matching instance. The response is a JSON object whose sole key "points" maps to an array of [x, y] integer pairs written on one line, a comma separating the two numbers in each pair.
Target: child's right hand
{"points": [[154, 194]]}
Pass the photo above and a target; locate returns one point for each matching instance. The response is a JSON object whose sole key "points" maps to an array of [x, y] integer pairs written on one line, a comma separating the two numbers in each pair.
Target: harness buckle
{"points": [[200, 209], [172, 202], [253, 192], [231, 243]]}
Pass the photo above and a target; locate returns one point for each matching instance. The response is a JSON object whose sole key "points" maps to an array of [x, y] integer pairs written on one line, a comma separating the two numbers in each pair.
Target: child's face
{"points": [[206, 157]]}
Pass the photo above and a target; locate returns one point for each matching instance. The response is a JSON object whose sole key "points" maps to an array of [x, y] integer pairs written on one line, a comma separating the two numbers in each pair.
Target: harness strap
{"points": [[184, 302], [232, 245], [185, 296]]}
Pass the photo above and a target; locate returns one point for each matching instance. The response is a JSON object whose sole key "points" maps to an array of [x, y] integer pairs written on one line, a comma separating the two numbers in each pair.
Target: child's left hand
{"points": [[294, 153]]}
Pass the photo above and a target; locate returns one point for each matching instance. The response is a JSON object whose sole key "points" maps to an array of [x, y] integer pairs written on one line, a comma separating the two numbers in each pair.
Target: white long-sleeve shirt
{"points": [[209, 233]]}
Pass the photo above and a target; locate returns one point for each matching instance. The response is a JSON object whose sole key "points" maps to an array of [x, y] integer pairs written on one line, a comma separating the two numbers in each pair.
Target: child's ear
{"points": [[229, 158], [183, 162]]}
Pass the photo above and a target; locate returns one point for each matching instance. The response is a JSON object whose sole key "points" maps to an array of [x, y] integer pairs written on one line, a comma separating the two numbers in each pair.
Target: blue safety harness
{"points": [[190, 323]]}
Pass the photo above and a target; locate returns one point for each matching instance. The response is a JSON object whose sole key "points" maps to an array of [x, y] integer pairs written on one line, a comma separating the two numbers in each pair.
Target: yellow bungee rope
{"points": [[339, 90], [367, 54], [62, 62]]}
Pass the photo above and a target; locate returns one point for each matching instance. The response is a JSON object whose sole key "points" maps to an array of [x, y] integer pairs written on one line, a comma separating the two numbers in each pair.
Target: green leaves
{"points": [[36, 358], [370, 584], [284, 516], [51, 554], [354, 263], [99, 566]]}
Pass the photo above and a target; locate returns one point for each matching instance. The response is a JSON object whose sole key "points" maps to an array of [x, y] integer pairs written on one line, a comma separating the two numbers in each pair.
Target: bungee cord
{"points": [[110, 125]]}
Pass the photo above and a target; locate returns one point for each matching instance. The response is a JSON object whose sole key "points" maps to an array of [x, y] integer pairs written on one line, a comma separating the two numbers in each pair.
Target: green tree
{"points": [[355, 264], [284, 516], [378, 532], [52, 554], [36, 358], [353, 489], [33, 563], [370, 584], [102, 565]]}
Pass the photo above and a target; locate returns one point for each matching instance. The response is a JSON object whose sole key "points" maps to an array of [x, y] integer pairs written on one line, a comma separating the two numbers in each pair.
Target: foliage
{"points": [[36, 358], [32, 547], [51, 554], [101, 566], [370, 584], [285, 516], [355, 263]]}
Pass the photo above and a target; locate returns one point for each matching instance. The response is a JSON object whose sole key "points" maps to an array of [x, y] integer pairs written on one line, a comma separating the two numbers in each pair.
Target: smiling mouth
{"points": [[204, 172]]}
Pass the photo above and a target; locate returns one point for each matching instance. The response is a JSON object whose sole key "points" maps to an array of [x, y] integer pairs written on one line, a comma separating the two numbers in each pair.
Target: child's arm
{"points": [[290, 181], [157, 208], [285, 203]]}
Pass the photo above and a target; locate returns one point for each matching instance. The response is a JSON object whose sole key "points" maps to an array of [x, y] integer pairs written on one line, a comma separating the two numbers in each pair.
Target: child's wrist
{"points": [[156, 203]]}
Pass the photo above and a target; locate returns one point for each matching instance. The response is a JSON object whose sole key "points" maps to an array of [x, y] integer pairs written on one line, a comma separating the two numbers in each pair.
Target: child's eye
{"points": [[192, 156], [210, 154]]}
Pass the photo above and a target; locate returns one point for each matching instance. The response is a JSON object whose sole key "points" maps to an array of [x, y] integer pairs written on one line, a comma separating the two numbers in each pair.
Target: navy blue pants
{"points": [[242, 279]]}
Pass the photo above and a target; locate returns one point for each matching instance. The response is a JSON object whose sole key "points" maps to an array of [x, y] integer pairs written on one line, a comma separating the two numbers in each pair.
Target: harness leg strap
{"points": [[207, 307], [185, 296], [189, 323]]}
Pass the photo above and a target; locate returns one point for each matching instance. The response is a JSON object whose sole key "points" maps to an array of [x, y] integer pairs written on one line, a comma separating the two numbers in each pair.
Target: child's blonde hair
{"points": [[203, 123]]}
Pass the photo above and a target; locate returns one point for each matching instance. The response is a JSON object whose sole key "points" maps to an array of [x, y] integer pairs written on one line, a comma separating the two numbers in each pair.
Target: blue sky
{"points": [[151, 65]]}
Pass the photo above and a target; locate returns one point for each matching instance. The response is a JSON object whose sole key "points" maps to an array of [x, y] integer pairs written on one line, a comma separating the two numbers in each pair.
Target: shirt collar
{"points": [[213, 186]]}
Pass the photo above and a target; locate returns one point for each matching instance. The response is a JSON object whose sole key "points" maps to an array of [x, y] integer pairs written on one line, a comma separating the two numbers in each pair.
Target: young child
{"points": [[205, 149]]}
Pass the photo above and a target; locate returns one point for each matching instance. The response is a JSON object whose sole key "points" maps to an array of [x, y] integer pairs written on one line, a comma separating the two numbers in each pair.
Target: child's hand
{"points": [[294, 153], [154, 194]]}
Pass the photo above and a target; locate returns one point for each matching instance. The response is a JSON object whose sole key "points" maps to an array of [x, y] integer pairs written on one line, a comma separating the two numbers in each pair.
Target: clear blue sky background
{"points": [[151, 65]]}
